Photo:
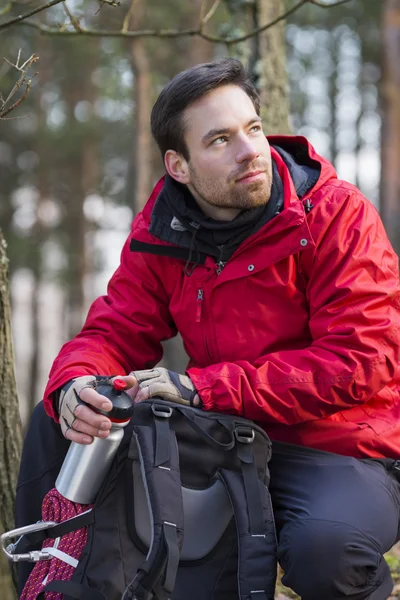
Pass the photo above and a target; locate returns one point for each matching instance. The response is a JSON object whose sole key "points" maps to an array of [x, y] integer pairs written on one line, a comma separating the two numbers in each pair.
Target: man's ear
{"points": [[177, 167]]}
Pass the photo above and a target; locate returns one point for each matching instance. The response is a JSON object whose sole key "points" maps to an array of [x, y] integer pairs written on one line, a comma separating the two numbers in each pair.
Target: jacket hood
{"points": [[307, 169], [303, 168]]}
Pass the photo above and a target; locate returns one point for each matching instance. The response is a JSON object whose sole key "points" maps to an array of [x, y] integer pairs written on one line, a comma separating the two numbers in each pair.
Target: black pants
{"points": [[335, 515]]}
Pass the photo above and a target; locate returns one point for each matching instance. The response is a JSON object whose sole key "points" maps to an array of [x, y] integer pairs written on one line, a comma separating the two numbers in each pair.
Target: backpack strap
{"points": [[156, 449], [30, 541], [257, 544]]}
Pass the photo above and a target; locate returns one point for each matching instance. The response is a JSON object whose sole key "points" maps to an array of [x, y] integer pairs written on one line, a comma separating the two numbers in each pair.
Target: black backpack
{"points": [[183, 514]]}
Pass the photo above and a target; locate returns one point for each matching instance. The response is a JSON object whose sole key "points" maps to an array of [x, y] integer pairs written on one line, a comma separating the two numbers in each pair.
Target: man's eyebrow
{"points": [[214, 132]]}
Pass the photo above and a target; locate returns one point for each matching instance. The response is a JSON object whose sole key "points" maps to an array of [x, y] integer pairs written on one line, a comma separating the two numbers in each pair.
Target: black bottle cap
{"points": [[123, 405]]}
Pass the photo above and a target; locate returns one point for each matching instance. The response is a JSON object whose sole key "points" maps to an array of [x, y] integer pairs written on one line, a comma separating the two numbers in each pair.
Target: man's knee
{"points": [[329, 560]]}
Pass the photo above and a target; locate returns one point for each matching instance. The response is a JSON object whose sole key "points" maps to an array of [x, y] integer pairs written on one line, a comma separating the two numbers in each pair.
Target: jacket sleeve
{"points": [[354, 302], [123, 330]]}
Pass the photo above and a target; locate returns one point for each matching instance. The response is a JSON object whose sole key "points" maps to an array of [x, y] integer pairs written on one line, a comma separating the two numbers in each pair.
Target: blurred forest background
{"points": [[77, 161]]}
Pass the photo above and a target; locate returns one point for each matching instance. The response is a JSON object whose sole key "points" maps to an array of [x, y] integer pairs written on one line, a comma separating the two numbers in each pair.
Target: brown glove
{"points": [[167, 385], [69, 399]]}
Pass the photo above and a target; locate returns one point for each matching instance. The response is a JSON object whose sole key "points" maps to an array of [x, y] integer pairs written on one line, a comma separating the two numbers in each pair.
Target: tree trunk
{"points": [[10, 424], [81, 173], [142, 155], [39, 231], [390, 98], [333, 98], [200, 50], [270, 67]]}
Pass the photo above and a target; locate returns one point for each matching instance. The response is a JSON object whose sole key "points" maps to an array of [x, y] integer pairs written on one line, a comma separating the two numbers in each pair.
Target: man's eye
{"points": [[219, 140], [256, 128]]}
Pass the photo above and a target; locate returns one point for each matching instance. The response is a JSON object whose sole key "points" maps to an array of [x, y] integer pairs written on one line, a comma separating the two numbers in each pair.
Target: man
{"points": [[285, 289]]}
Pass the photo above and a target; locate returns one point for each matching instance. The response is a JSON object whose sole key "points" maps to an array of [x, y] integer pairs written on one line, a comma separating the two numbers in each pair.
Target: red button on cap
{"points": [[120, 384]]}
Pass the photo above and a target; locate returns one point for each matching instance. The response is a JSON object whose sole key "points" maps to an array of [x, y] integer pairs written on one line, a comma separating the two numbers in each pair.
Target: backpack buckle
{"points": [[245, 435], [161, 410]]}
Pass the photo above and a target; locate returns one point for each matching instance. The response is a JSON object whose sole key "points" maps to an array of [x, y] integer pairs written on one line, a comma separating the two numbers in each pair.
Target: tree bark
{"points": [[200, 50], [270, 67], [10, 423], [81, 174], [390, 98], [333, 98], [142, 155]]}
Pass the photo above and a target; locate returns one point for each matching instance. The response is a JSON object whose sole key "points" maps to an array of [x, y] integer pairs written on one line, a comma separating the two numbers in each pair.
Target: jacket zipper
{"points": [[199, 314], [200, 294]]}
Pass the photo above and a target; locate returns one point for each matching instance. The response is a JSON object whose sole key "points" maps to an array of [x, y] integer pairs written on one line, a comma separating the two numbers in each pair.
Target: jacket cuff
{"points": [[203, 388]]}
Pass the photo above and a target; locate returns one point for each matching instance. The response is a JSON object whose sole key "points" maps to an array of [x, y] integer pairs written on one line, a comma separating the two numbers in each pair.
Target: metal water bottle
{"points": [[85, 466]]}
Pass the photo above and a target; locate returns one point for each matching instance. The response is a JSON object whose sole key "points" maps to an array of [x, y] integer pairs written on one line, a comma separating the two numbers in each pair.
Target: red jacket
{"points": [[299, 332]]}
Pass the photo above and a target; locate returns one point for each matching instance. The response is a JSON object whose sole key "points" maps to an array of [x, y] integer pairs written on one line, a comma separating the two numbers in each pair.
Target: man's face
{"points": [[230, 158]]}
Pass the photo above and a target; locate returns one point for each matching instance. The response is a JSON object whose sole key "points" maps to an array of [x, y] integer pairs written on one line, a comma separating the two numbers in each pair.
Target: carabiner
{"points": [[33, 556]]}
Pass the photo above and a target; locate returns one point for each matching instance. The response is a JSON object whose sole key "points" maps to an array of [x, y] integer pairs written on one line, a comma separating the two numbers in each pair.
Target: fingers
{"points": [[93, 398], [79, 438], [196, 400], [142, 394], [87, 425], [132, 385], [90, 422]]}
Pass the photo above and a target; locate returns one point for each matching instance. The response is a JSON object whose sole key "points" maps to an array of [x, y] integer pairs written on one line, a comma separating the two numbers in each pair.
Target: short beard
{"points": [[256, 194]]}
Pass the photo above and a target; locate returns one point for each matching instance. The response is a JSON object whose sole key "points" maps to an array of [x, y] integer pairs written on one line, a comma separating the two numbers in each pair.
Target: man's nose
{"points": [[246, 151]]}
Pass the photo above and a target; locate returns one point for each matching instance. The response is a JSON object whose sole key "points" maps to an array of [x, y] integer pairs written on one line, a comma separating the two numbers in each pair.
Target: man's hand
{"points": [[80, 423], [167, 385]]}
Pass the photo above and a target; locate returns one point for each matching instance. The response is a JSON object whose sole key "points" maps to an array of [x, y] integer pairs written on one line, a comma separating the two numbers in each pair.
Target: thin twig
{"points": [[22, 82], [29, 14], [127, 19], [210, 13], [258, 30], [74, 20], [202, 9], [5, 112]]}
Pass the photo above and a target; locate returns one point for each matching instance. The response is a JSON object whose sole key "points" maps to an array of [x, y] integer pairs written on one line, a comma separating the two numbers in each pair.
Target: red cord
{"points": [[57, 508]]}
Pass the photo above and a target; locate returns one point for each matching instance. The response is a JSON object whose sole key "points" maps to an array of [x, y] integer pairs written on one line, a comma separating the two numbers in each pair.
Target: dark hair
{"points": [[184, 89]]}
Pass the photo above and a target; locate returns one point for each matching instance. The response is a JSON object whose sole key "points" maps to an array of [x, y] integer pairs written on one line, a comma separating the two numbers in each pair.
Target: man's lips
{"points": [[251, 175]]}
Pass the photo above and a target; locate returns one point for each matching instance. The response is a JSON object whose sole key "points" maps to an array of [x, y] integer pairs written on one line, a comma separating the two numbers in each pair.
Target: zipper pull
{"points": [[199, 302], [220, 266], [220, 262], [308, 206]]}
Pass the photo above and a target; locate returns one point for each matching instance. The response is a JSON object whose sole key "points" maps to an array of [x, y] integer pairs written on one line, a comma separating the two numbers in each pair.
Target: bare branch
{"points": [[24, 82], [127, 19], [163, 33], [74, 20], [5, 111], [29, 14], [166, 33], [279, 18], [210, 13]]}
